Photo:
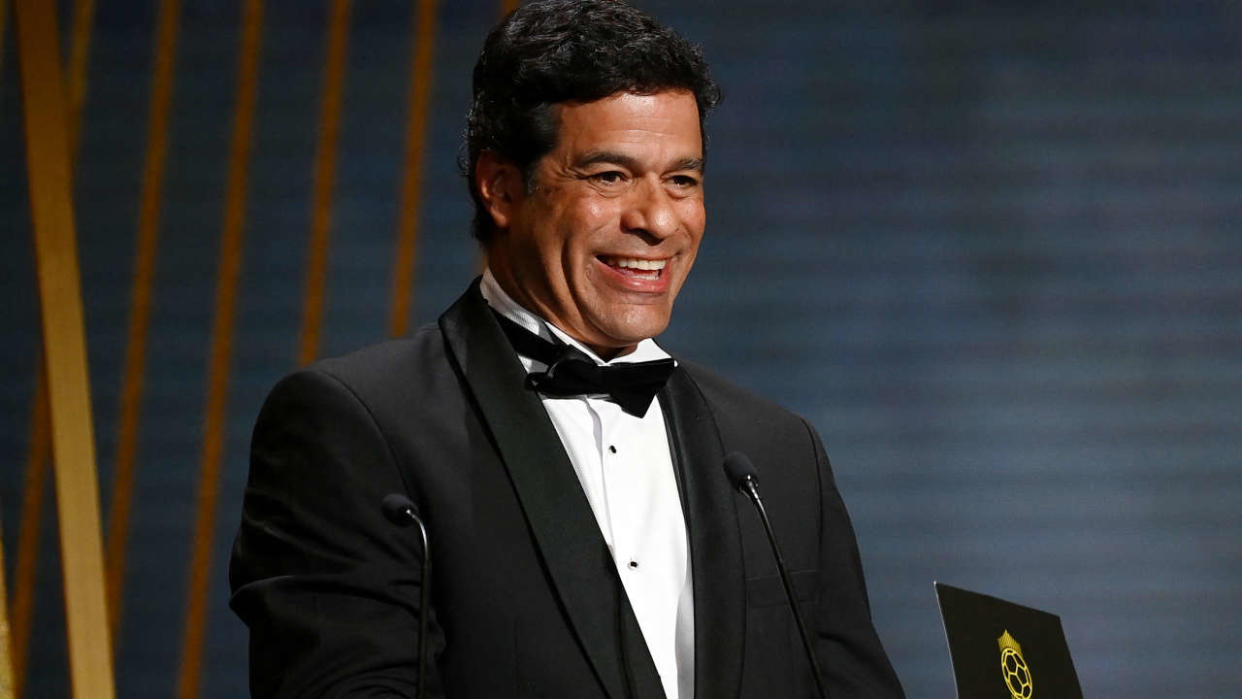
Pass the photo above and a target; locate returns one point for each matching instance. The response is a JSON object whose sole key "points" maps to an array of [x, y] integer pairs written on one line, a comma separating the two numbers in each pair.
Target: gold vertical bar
{"points": [[335, 53], [214, 421], [6, 667], [64, 346], [140, 305], [28, 530], [79, 59], [419, 93]]}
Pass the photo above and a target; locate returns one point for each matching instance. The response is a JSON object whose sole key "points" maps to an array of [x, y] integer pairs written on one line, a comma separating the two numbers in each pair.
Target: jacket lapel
{"points": [[577, 559], [715, 539]]}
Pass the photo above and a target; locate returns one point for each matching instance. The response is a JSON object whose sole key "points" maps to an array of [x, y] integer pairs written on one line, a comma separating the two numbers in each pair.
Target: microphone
{"points": [[745, 477], [400, 511]]}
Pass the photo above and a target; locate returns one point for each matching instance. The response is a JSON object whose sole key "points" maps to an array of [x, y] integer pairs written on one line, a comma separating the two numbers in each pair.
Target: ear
{"points": [[499, 185]]}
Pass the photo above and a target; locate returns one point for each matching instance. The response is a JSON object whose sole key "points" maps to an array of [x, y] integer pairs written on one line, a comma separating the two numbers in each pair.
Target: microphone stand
{"points": [[743, 472], [400, 511]]}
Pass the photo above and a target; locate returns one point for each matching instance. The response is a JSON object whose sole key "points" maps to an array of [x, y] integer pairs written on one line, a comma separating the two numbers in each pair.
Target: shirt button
{"points": [[612, 449], [633, 565]]}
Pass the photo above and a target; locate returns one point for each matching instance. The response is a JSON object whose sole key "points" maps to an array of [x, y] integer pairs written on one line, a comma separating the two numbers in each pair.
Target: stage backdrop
{"points": [[993, 253]]}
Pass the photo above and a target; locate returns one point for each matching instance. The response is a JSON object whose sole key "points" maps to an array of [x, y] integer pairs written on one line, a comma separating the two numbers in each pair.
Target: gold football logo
{"points": [[1013, 668]]}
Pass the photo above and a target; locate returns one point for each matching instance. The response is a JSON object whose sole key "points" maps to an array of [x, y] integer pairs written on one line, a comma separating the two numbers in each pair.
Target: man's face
{"points": [[605, 240]]}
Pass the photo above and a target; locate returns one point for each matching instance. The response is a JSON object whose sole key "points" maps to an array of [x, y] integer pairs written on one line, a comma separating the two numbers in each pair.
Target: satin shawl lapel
{"points": [[559, 515], [715, 539]]}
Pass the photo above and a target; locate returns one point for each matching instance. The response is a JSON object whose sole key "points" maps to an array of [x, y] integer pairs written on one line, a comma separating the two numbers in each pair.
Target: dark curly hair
{"points": [[552, 51]]}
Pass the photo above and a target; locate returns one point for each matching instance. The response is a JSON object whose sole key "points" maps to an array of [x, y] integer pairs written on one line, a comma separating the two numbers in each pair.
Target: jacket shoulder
{"points": [[388, 360], [732, 402], [752, 424], [389, 379]]}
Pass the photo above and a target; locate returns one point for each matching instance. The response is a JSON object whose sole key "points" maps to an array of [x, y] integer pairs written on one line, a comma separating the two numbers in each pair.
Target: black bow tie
{"points": [[570, 372]]}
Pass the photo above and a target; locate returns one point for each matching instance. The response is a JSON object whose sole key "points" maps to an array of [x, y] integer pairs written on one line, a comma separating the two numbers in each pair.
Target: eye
{"points": [[684, 181], [608, 177]]}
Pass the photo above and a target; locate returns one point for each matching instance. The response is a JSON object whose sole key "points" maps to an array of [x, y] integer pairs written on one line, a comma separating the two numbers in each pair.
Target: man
{"points": [[585, 540]]}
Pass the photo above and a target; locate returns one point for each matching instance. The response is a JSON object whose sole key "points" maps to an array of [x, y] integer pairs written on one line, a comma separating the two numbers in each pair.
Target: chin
{"points": [[630, 333]]}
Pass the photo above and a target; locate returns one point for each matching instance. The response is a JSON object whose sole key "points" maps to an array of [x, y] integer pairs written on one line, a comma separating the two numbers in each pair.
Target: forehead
{"points": [[667, 120]]}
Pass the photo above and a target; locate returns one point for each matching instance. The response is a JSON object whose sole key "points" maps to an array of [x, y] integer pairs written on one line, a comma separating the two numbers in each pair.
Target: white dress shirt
{"points": [[626, 470]]}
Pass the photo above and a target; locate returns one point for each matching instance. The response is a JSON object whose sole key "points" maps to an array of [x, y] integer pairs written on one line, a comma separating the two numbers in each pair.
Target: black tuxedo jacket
{"points": [[526, 601]]}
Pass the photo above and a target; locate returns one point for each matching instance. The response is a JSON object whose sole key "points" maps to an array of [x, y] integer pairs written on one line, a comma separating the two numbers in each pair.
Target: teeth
{"points": [[647, 265]]}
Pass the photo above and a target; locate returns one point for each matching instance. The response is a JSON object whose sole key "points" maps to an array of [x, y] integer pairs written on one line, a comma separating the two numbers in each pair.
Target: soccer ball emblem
{"points": [[1017, 675]]}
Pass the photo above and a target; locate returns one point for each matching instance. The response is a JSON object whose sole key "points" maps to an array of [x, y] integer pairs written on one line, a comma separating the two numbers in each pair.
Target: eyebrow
{"points": [[603, 156]]}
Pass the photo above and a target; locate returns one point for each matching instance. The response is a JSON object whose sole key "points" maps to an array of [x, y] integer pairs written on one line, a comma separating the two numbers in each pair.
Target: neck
{"points": [[518, 296], [610, 353]]}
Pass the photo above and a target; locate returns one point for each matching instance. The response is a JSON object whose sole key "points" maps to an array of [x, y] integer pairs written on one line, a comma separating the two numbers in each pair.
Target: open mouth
{"points": [[636, 268]]}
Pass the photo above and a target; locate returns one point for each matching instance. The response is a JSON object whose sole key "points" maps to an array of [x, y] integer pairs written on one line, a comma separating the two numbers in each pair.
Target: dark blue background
{"points": [[992, 251]]}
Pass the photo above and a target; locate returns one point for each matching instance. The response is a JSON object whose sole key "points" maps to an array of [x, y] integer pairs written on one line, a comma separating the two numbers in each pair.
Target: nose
{"points": [[650, 210]]}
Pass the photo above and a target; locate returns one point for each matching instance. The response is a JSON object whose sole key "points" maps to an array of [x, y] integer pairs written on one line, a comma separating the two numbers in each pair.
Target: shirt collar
{"points": [[502, 303]]}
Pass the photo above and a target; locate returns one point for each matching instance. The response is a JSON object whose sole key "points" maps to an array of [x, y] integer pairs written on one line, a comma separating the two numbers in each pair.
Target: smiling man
{"points": [[604, 239], [585, 539]]}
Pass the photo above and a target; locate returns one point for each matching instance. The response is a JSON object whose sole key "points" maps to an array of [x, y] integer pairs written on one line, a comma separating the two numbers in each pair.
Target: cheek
{"points": [[695, 229], [592, 214], [693, 216], [585, 227]]}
